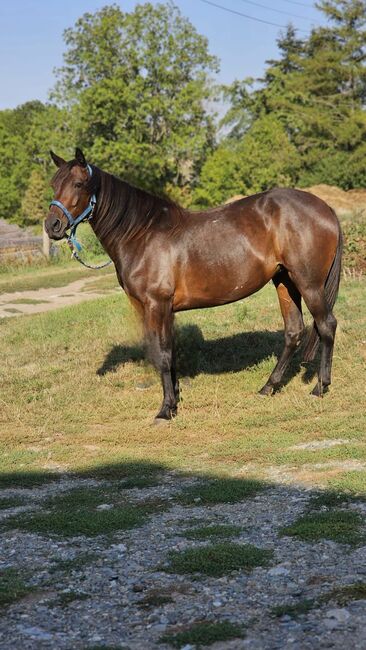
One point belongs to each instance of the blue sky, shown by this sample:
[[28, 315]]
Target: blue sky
[[31, 43]]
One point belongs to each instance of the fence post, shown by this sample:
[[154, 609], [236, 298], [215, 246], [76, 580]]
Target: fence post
[[46, 244]]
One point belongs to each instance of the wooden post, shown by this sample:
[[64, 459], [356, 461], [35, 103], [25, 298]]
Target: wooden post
[[46, 244]]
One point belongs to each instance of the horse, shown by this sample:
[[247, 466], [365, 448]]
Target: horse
[[169, 259]]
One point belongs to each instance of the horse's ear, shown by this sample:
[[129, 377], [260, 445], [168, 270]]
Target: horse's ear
[[57, 159], [79, 157]]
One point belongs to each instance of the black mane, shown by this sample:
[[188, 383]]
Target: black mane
[[128, 212]]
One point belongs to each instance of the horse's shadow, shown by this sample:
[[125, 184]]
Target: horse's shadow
[[195, 355]]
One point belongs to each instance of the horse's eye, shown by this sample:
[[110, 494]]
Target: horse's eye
[[77, 184]]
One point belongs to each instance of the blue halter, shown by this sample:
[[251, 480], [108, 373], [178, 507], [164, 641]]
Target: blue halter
[[87, 214]]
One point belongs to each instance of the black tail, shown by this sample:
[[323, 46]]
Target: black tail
[[331, 292]]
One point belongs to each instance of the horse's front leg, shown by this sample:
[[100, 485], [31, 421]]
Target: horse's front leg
[[158, 325]]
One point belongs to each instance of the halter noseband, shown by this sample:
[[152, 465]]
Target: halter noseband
[[87, 214]]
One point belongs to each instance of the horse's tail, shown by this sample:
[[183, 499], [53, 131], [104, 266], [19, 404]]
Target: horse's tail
[[331, 292]]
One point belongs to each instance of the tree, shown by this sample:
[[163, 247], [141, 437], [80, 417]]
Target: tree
[[35, 200], [138, 86], [26, 135], [316, 92], [263, 159]]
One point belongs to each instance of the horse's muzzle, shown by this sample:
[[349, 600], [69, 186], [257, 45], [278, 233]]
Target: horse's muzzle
[[55, 227]]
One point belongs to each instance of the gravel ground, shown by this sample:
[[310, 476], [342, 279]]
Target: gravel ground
[[113, 597]]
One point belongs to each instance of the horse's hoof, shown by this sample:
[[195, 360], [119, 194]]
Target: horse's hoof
[[265, 391], [319, 391], [159, 421]]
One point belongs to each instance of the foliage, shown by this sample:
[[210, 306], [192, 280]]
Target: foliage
[[26, 135], [304, 122], [203, 634], [138, 84]]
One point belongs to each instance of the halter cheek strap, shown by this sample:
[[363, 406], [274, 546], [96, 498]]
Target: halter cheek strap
[[86, 214]]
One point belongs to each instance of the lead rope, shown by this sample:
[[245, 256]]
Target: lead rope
[[75, 248]]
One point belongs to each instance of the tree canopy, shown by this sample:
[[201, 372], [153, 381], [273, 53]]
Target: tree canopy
[[136, 92]]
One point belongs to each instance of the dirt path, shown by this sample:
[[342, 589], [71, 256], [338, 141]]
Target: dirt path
[[36, 301]]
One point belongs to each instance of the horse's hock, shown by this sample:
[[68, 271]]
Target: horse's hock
[[17, 244]]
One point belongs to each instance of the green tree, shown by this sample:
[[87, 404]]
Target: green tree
[[138, 85], [26, 135], [263, 159], [35, 200], [316, 91]]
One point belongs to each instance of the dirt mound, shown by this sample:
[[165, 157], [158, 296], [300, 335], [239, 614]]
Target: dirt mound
[[339, 200]]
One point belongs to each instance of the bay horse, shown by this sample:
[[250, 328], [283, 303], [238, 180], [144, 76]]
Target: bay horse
[[169, 259]]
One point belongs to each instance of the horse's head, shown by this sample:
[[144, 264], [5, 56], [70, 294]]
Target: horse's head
[[73, 199]]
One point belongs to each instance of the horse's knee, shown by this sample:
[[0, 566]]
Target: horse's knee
[[293, 337]]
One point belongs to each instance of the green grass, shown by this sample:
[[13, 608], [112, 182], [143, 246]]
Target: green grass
[[338, 525], [220, 491], [67, 597], [155, 598], [90, 355], [12, 587], [33, 278], [204, 634], [76, 513], [342, 596], [212, 532], [294, 610], [28, 301], [217, 559], [75, 564], [11, 502], [329, 499]]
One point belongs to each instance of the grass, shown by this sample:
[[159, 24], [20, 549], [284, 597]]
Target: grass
[[12, 587], [90, 355], [329, 499], [75, 564], [76, 513], [212, 532], [342, 596], [220, 491], [41, 277], [11, 502], [294, 610], [28, 301], [67, 597], [204, 633], [217, 559], [338, 525]]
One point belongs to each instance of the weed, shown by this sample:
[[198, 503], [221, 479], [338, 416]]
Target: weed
[[67, 597], [302, 607], [11, 502], [229, 490], [337, 525], [329, 499], [217, 559], [212, 532], [340, 595], [12, 587], [76, 513], [74, 564], [204, 634]]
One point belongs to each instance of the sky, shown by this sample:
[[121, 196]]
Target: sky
[[31, 37]]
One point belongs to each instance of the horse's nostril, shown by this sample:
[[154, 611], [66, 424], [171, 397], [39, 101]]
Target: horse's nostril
[[56, 225]]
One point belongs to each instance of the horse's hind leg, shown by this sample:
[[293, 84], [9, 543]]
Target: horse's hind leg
[[326, 325], [290, 304]]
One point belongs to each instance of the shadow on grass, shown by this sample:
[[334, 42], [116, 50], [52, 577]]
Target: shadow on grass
[[195, 355], [93, 509]]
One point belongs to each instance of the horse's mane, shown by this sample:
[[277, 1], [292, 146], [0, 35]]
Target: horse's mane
[[128, 212]]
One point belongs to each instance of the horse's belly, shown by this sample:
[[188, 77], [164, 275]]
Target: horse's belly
[[208, 291]]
